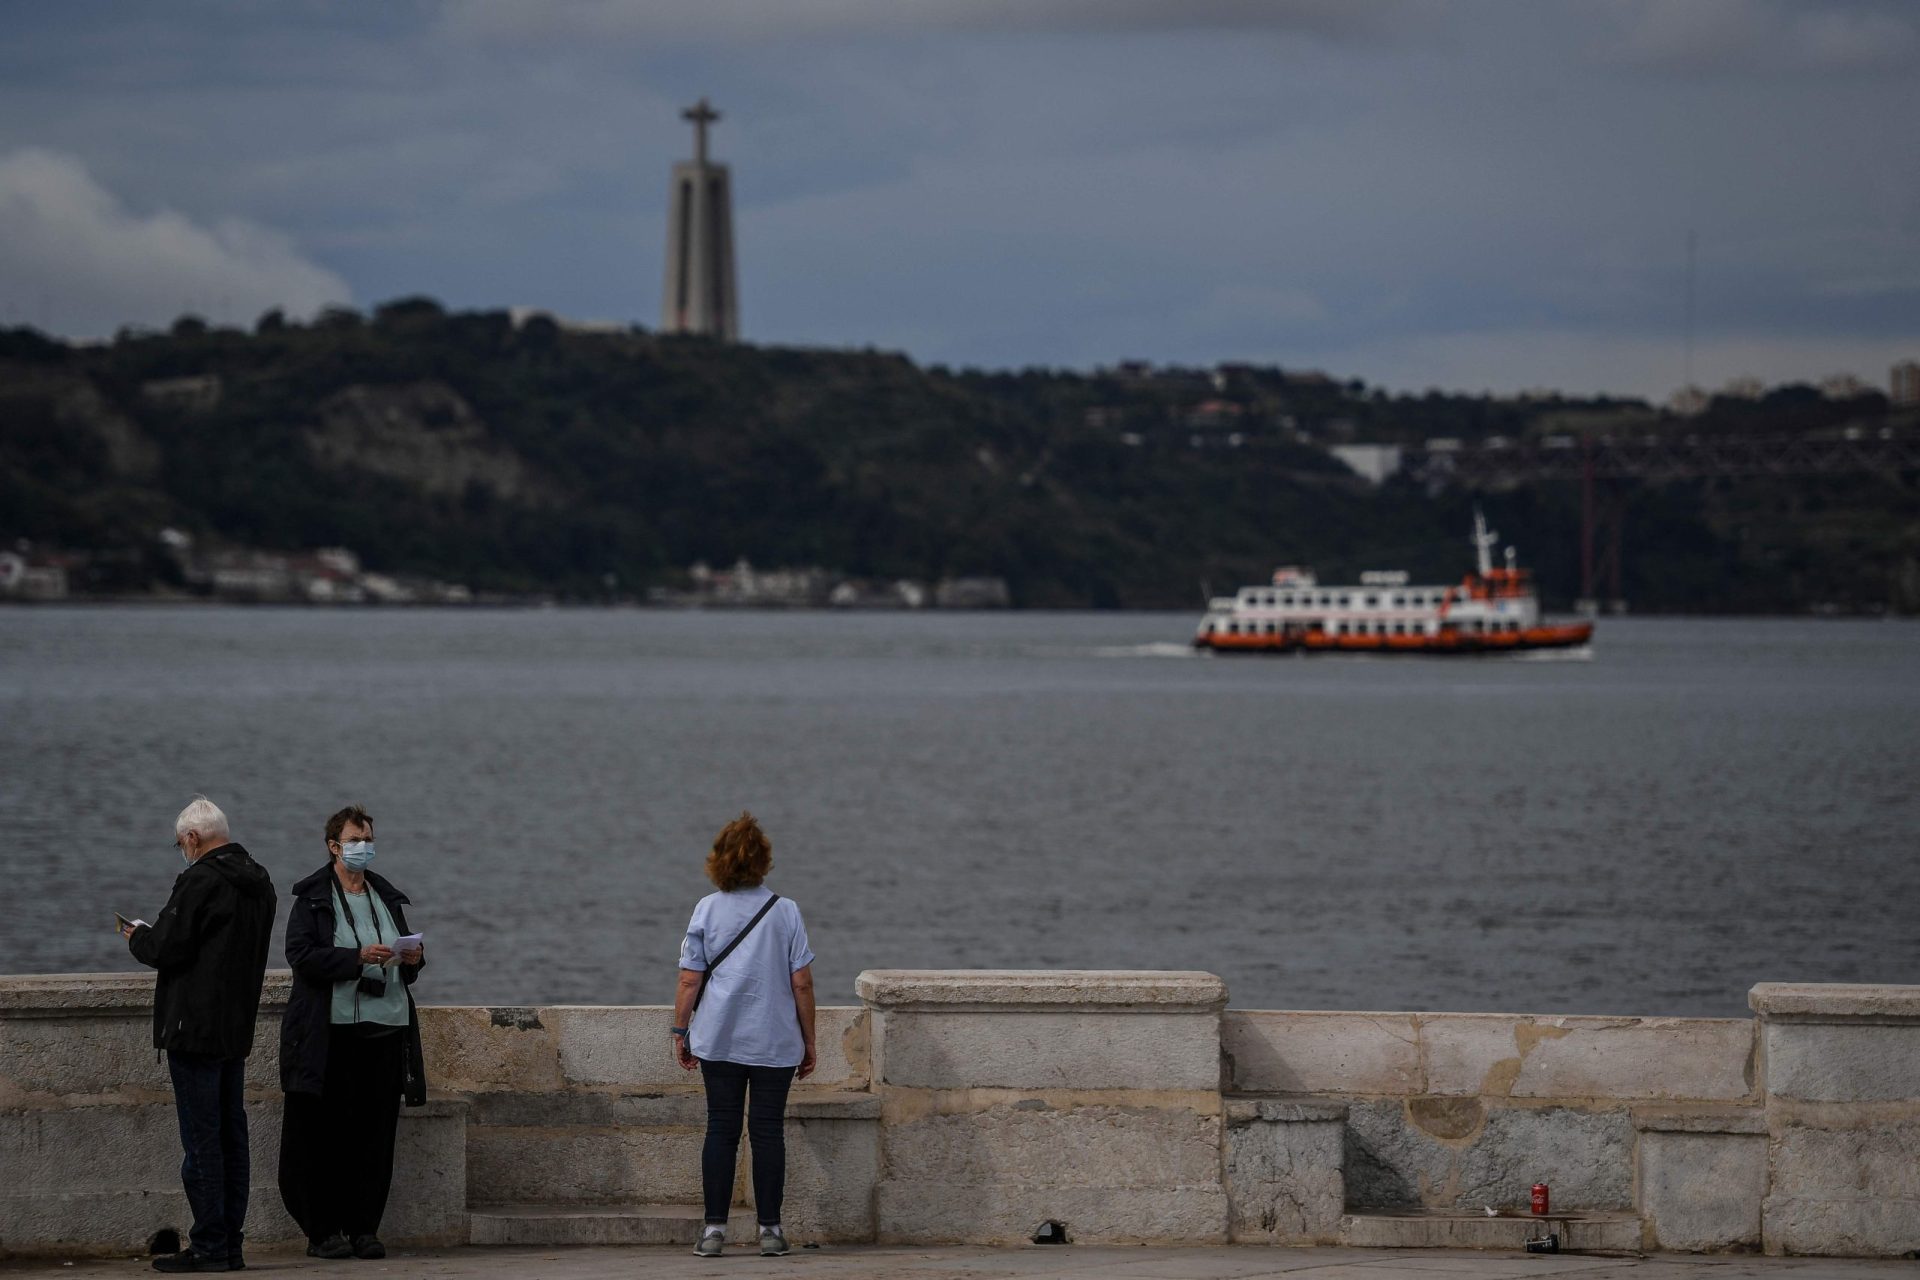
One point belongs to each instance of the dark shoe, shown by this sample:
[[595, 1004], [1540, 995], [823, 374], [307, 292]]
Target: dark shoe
[[368, 1247], [235, 1262], [188, 1260], [334, 1246]]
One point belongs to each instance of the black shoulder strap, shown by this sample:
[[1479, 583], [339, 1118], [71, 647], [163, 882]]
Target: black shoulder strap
[[727, 950]]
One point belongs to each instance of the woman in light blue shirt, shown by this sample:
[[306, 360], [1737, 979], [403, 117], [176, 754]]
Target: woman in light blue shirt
[[746, 966]]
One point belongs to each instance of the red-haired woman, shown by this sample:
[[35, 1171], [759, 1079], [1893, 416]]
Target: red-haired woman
[[746, 965]]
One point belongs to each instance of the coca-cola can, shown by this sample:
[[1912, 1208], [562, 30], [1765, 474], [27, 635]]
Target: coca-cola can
[[1540, 1200]]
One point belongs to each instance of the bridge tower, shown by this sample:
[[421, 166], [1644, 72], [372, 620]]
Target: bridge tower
[[700, 295]]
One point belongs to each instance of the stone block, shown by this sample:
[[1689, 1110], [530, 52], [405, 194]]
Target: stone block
[[1494, 1055], [1841, 1062], [833, 1164], [1835, 1001], [658, 1224], [481, 1049], [1579, 1233], [1858, 1227], [1463, 1152], [840, 1033], [1309, 1052], [617, 1045], [1701, 1192], [1015, 1049], [1283, 1175], [60, 1150], [511, 1165], [1031, 1143], [63, 1190], [1058, 989], [1867, 1158], [428, 1205], [918, 1212]]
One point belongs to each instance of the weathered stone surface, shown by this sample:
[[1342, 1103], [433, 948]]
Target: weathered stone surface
[[1047, 1050], [105, 1178], [600, 1225], [61, 1151], [1832, 1062], [54, 994], [1283, 1179], [832, 1166], [1683, 1118], [1088, 1146], [481, 1049], [1338, 1053], [972, 1213], [1701, 1192], [1462, 1153], [1587, 1057], [1782, 1001], [1857, 1228], [619, 1045], [1866, 1160], [510, 1165], [1284, 1110], [1070, 989], [1601, 1232], [429, 1201], [1490, 1055]]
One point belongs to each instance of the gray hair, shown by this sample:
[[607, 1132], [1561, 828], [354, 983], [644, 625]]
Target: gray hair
[[202, 817]]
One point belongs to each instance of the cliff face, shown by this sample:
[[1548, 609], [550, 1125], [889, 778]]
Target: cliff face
[[529, 458], [421, 434]]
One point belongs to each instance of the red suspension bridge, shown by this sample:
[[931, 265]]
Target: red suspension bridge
[[1608, 466]]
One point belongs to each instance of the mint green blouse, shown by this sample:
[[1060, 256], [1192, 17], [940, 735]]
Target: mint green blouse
[[350, 1004]]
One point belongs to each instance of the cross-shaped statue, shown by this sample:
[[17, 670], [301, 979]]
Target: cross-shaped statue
[[702, 115]]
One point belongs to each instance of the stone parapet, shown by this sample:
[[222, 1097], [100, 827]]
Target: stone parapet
[[1038, 990], [1851, 1002], [973, 1106], [1490, 1055], [1010, 1098], [1843, 1117]]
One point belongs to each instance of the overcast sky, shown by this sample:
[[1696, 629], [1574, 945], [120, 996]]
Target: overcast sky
[[1470, 195]]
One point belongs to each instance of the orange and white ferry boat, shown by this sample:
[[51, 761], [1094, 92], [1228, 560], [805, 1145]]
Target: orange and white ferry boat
[[1489, 611]]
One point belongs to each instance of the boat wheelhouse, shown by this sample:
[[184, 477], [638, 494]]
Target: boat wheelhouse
[[1493, 610]]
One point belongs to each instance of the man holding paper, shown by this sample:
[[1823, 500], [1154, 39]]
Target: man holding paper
[[210, 945], [349, 1044]]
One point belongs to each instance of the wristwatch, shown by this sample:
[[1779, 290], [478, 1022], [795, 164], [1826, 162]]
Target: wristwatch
[[678, 1031]]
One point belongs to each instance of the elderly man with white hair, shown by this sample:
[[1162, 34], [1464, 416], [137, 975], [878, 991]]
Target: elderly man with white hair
[[210, 945]]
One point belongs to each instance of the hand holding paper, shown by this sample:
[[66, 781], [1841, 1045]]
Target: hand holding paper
[[408, 948]]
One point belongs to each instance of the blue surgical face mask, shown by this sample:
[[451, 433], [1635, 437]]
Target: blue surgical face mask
[[357, 854]]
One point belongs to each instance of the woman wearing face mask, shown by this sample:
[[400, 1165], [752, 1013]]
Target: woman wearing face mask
[[349, 1044]]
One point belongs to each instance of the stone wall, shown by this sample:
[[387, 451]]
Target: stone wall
[[1468, 1111], [973, 1106], [90, 1151]]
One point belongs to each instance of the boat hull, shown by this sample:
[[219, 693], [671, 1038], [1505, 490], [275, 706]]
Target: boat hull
[[1564, 635]]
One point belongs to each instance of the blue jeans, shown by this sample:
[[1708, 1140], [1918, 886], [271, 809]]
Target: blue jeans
[[209, 1094], [726, 1103]]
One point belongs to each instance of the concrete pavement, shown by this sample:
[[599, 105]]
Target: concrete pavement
[[1066, 1262]]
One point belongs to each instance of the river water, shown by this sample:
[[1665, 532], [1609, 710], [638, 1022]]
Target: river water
[[1702, 806]]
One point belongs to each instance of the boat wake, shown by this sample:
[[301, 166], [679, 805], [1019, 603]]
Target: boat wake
[[1578, 653], [1161, 649]]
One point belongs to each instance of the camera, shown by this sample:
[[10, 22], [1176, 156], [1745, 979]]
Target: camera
[[374, 987]]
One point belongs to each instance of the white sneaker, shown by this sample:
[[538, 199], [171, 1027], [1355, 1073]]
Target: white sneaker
[[711, 1243]]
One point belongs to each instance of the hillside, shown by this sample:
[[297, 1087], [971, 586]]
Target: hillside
[[532, 459]]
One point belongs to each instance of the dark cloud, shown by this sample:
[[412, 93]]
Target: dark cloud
[[1492, 195]]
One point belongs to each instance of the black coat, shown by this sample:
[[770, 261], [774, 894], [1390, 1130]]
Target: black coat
[[210, 945], [317, 964]]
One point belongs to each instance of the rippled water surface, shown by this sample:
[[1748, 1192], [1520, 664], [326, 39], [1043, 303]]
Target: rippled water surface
[[1704, 805]]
